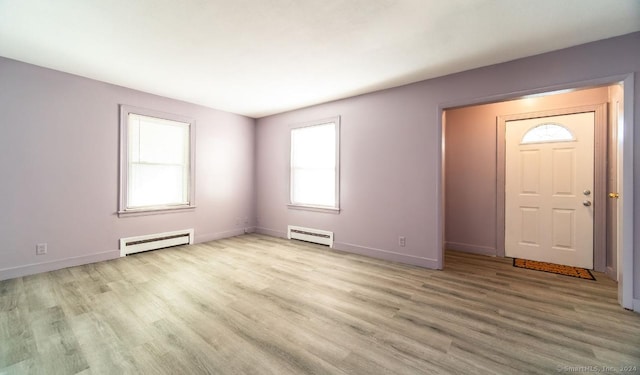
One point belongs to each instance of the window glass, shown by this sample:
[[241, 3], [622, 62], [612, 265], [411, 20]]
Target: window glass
[[547, 133], [314, 165], [157, 171]]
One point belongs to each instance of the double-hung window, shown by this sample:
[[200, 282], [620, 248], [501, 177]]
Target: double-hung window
[[157, 157], [315, 160]]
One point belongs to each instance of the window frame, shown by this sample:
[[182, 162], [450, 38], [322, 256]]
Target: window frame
[[123, 210], [310, 207]]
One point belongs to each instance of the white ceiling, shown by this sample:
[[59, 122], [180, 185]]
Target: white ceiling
[[260, 57]]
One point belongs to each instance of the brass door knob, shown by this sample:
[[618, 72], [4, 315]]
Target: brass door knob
[[614, 195]]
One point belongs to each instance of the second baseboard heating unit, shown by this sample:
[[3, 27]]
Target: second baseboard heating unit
[[155, 241], [318, 236]]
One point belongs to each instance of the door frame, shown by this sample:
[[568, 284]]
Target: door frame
[[625, 179], [599, 176]]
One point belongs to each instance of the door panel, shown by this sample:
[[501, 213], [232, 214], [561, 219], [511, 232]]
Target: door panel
[[563, 167], [530, 234], [564, 229], [530, 166], [547, 182]]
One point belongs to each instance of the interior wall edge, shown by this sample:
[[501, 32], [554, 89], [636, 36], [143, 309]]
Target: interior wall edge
[[588, 84]]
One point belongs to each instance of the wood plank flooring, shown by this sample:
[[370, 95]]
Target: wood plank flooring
[[255, 304]]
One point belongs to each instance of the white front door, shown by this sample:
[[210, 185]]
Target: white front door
[[549, 189]]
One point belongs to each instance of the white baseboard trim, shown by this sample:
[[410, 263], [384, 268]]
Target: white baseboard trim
[[386, 255], [271, 232], [636, 305], [469, 248], [34, 268], [219, 235], [611, 273], [367, 251]]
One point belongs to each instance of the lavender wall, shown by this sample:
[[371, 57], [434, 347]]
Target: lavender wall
[[386, 172], [470, 165], [59, 168], [391, 150]]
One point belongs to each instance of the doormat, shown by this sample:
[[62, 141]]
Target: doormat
[[559, 269]]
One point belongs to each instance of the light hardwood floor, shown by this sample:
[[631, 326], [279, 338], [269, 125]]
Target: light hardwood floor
[[261, 305]]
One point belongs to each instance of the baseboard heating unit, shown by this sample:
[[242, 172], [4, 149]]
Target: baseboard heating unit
[[318, 236], [155, 241]]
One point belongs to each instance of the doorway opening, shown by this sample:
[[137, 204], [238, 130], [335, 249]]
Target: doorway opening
[[473, 204]]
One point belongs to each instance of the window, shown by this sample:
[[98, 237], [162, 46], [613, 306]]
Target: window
[[157, 157], [314, 174], [547, 133]]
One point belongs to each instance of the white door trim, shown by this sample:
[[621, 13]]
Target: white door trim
[[625, 185]]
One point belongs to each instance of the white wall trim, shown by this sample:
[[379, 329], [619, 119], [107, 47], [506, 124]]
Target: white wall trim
[[219, 235], [470, 248], [367, 251], [386, 255], [626, 282], [271, 232], [34, 268]]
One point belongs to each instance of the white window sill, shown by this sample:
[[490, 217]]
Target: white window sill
[[154, 211], [331, 210]]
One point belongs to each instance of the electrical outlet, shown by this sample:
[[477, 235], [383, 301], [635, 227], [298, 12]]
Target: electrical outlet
[[41, 249], [402, 241]]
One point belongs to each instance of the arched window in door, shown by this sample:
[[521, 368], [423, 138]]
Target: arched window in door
[[548, 132]]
